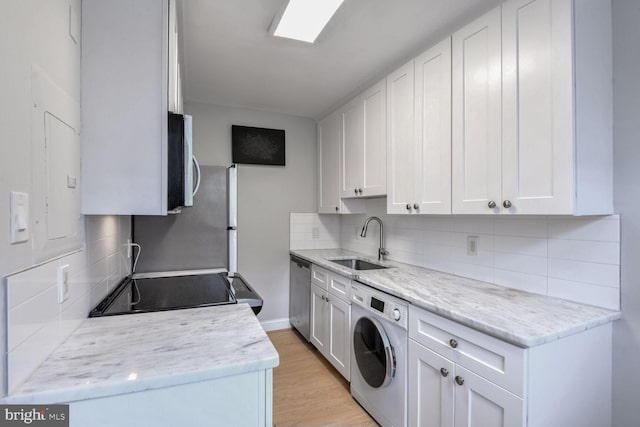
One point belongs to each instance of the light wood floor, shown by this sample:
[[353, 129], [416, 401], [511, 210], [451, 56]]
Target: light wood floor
[[307, 391]]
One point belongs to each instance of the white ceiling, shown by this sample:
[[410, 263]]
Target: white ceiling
[[230, 59]]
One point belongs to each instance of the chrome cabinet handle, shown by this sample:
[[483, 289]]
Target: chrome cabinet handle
[[416, 206], [322, 296], [355, 190], [453, 343], [444, 372], [491, 204], [327, 299], [337, 209], [459, 380], [360, 190], [506, 204], [408, 207]]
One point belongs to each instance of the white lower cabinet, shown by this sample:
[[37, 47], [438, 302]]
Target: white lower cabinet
[[459, 377], [330, 318]]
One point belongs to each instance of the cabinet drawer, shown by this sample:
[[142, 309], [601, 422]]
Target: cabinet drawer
[[340, 287], [320, 277], [491, 358]]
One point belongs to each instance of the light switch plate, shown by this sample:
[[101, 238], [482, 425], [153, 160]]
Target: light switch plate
[[63, 283], [315, 232], [19, 211]]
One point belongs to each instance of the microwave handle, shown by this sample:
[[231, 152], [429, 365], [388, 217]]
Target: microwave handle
[[197, 166]]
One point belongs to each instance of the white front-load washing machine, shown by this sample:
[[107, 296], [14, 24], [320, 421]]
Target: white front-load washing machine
[[379, 354]]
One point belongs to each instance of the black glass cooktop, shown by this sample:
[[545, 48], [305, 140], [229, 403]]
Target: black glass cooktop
[[166, 293]]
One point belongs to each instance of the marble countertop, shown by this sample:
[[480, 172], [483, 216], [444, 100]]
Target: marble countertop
[[518, 317], [113, 355]]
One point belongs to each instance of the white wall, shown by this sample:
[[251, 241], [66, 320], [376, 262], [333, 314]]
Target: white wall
[[626, 135], [565, 257], [36, 32], [266, 194], [314, 231]]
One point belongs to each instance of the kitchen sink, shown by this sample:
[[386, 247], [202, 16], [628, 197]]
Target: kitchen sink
[[358, 264]]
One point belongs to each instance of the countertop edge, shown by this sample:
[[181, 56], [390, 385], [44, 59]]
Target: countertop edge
[[108, 389], [494, 331]]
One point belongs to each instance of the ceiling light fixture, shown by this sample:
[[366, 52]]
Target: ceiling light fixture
[[304, 19]]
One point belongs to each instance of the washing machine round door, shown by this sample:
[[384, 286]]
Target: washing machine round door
[[373, 352]]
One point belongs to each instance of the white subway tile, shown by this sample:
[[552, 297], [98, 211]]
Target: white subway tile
[[521, 263], [523, 227], [582, 250], [525, 282], [98, 292], [437, 257], [521, 245], [585, 293], [435, 237], [484, 258], [32, 315], [22, 286], [437, 223], [587, 272], [26, 358], [486, 242], [603, 229], [474, 224], [476, 272]]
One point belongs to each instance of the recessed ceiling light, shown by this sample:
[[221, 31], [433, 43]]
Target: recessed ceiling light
[[304, 19]]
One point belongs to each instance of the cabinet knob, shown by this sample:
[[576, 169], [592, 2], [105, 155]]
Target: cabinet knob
[[491, 204], [416, 206], [444, 372], [408, 207], [506, 204], [360, 190], [355, 190], [453, 343], [337, 209], [322, 296], [459, 380], [327, 298]]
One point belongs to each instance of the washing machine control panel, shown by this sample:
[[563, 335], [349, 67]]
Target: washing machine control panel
[[389, 307]]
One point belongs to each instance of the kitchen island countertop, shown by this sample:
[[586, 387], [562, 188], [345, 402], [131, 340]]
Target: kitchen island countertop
[[114, 355], [521, 318]]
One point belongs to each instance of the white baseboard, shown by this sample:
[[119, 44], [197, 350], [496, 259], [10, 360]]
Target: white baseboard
[[275, 324]]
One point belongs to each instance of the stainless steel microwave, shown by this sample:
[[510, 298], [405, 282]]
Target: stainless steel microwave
[[183, 170]]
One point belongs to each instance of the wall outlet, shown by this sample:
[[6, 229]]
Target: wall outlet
[[63, 283], [315, 232], [472, 245]]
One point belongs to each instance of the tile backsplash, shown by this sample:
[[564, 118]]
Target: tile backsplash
[[36, 323], [574, 258], [314, 231]]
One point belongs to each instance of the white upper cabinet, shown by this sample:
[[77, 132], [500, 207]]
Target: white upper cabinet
[[433, 129], [556, 143], [127, 91], [328, 171], [329, 200], [476, 110], [400, 141], [363, 144], [419, 134], [532, 110]]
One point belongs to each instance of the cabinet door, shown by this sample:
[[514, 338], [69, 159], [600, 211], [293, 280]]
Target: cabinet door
[[317, 317], [433, 129], [338, 342], [476, 115], [537, 144], [328, 161], [400, 140], [351, 148], [480, 403], [430, 388], [374, 181]]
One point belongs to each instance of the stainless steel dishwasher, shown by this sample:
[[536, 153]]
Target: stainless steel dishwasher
[[299, 294]]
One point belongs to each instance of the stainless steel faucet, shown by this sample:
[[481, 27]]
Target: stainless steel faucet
[[382, 252]]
